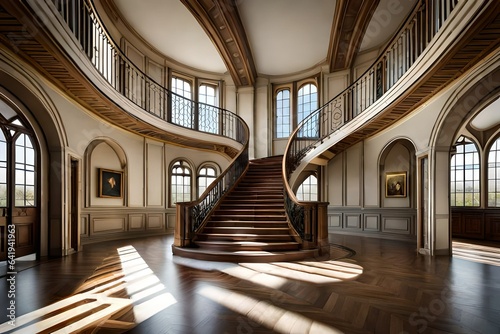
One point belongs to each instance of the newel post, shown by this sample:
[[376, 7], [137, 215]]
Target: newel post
[[182, 226], [322, 228]]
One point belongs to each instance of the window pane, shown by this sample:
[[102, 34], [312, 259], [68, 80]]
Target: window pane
[[283, 124], [182, 106], [208, 113], [206, 176], [307, 97], [465, 174], [494, 174], [180, 182], [308, 190]]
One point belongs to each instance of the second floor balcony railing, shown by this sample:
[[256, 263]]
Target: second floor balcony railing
[[130, 81], [400, 54]]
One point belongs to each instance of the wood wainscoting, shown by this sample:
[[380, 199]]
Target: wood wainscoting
[[472, 223]]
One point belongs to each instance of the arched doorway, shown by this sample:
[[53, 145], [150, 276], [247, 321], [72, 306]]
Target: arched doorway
[[467, 100], [19, 191]]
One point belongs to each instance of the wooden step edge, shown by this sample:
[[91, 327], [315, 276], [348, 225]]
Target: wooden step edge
[[244, 256]]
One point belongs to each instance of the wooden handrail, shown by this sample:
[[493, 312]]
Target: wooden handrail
[[192, 216]]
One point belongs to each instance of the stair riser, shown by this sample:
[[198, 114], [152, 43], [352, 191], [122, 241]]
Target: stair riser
[[248, 224], [246, 218], [262, 238], [251, 213], [240, 248], [245, 230]]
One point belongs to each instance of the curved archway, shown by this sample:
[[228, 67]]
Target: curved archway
[[467, 100], [49, 136]]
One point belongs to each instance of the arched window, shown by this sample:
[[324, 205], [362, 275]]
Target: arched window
[[306, 104], [180, 182], [182, 107], [206, 175], [25, 172], [18, 182], [308, 190], [494, 174], [208, 115], [307, 101], [283, 119], [292, 106], [464, 174]]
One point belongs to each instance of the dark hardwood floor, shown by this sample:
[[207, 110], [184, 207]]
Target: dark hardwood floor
[[384, 287]]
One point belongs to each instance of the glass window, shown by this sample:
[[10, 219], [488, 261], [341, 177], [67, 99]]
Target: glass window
[[464, 174], [307, 101], [306, 104], [308, 190], [208, 114], [206, 176], [291, 107], [283, 124], [182, 107], [494, 174], [24, 172], [180, 182]]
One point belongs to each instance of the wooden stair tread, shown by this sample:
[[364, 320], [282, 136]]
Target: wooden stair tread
[[252, 217]]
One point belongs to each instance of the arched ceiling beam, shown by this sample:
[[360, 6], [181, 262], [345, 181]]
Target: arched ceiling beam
[[349, 25], [221, 21]]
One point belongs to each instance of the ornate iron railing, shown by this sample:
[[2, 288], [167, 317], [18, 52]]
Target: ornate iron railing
[[401, 53], [191, 216], [126, 78], [130, 81]]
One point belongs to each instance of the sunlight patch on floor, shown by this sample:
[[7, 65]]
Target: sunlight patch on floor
[[320, 272], [122, 284], [476, 253], [266, 314]]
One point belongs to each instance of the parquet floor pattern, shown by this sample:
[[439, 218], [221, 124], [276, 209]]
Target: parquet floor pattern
[[384, 287]]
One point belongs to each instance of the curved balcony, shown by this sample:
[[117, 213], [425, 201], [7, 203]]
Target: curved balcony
[[89, 65], [67, 41], [424, 56]]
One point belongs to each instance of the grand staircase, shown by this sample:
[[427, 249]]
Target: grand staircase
[[250, 224]]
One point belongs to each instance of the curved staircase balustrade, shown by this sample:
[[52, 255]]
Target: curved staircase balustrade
[[127, 79], [428, 16], [191, 216], [130, 81]]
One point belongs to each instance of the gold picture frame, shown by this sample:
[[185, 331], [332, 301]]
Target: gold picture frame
[[395, 184], [110, 183]]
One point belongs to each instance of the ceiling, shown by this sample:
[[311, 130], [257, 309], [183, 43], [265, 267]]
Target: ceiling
[[283, 36]]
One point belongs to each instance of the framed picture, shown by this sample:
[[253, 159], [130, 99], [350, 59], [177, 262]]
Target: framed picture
[[110, 183], [395, 184]]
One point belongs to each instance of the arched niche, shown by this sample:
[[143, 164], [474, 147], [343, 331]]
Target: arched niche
[[103, 157], [397, 174]]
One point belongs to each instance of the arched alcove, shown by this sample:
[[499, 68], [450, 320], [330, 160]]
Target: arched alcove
[[468, 100], [397, 174], [105, 158], [41, 116]]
